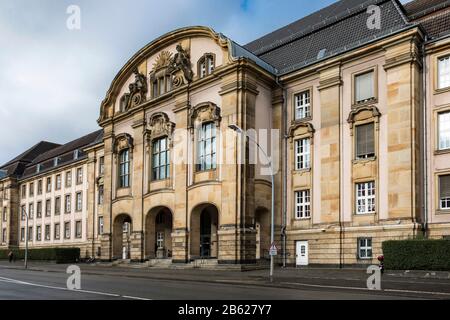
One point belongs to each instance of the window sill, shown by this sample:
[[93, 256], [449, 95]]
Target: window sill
[[302, 120], [443, 211], [441, 151], [364, 160], [441, 90], [369, 102], [302, 171], [365, 214], [303, 219], [365, 259]]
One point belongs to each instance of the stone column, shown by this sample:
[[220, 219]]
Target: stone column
[[106, 238]]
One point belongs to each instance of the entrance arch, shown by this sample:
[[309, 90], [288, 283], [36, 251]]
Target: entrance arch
[[204, 240], [262, 226], [158, 233], [122, 237]]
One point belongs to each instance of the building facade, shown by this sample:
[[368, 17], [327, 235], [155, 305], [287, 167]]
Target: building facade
[[354, 117]]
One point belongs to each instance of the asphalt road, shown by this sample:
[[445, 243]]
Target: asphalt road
[[18, 284]]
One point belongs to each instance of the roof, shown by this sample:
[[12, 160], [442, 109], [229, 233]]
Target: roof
[[433, 15], [333, 30]]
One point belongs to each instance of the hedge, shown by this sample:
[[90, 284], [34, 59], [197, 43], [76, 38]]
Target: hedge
[[60, 255], [417, 255]]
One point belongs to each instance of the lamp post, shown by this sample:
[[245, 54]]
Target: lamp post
[[237, 129], [26, 238]]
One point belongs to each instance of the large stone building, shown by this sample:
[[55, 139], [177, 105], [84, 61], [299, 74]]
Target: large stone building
[[352, 103]]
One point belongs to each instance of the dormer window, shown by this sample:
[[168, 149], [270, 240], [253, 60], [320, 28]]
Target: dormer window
[[206, 65], [38, 168], [76, 154], [55, 162]]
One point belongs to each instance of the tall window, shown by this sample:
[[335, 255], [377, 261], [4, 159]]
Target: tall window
[[39, 187], [57, 206], [68, 203], [365, 248], [38, 233], [22, 234], [444, 192], [302, 105], [58, 182], [101, 166], [39, 209], [31, 189], [31, 210], [67, 230], [444, 130], [161, 159], [207, 147], [364, 87], [79, 175], [365, 197], [302, 204], [4, 235], [49, 184], [79, 201], [78, 228], [47, 232], [24, 191], [48, 208], [444, 72], [302, 154], [68, 178], [206, 65], [22, 213], [30, 234], [124, 169], [365, 141], [101, 191], [101, 224], [57, 231]]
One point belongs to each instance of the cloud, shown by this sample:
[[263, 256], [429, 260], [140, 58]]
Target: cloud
[[53, 79]]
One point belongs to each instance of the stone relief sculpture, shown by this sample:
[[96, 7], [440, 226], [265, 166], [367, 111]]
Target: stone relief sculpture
[[138, 90], [181, 61]]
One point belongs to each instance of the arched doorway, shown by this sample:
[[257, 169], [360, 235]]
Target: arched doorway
[[203, 232], [262, 226], [158, 235], [122, 237]]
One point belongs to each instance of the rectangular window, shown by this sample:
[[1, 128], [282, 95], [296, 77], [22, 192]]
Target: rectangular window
[[365, 141], [22, 234], [47, 232], [100, 225], [444, 72], [79, 175], [160, 159], [31, 211], [364, 87], [5, 214], [101, 166], [101, 191], [48, 208], [444, 130], [207, 147], [67, 230], [365, 248], [444, 192], [302, 154], [38, 233], [39, 209], [78, 229], [68, 204], [57, 231], [57, 206], [30, 234], [39, 187], [22, 213], [302, 105], [124, 169], [49, 184], [365, 197], [31, 189], [302, 204], [24, 191], [79, 201], [58, 182], [4, 235], [68, 179]]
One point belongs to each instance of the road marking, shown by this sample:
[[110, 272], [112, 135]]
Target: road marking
[[365, 289], [8, 280]]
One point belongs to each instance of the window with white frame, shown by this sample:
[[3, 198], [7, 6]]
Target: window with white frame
[[68, 178], [57, 234], [48, 208], [444, 192], [302, 154], [160, 159], [365, 248], [31, 210], [78, 229], [302, 204], [444, 130], [206, 65], [47, 232], [79, 201], [124, 169], [31, 189], [58, 182], [101, 191], [79, 175], [101, 224], [444, 72], [49, 184], [364, 87], [302, 103], [160, 240], [57, 206], [38, 233], [207, 147], [22, 213], [68, 204], [39, 209], [365, 197], [67, 230], [101, 166]]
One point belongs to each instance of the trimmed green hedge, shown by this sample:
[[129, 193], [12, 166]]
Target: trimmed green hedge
[[60, 255], [417, 255]]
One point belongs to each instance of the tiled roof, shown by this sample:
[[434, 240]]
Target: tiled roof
[[332, 30], [418, 8], [433, 15]]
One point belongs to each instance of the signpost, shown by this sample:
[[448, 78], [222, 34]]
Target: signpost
[[273, 250]]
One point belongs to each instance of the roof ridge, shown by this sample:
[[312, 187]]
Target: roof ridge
[[428, 10]]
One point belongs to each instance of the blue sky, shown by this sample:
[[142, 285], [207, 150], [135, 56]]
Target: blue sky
[[53, 79]]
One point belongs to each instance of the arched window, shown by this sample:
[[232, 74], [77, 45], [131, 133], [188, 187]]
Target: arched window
[[160, 159], [206, 65], [124, 169]]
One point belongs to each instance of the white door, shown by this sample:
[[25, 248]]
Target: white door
[[301, 251]]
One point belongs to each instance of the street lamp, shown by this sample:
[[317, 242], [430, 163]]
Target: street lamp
[[237, 129], [26, 237]]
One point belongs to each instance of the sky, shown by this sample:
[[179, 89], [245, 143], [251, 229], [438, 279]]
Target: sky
[[53, 79]]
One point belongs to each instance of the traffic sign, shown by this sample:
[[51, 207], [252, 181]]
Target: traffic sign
[[273, 250]]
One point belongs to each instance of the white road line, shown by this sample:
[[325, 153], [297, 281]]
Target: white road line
[[8, 280], [365, 289]]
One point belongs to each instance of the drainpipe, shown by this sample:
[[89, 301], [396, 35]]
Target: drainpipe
[[284, 170], [425, 139]]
